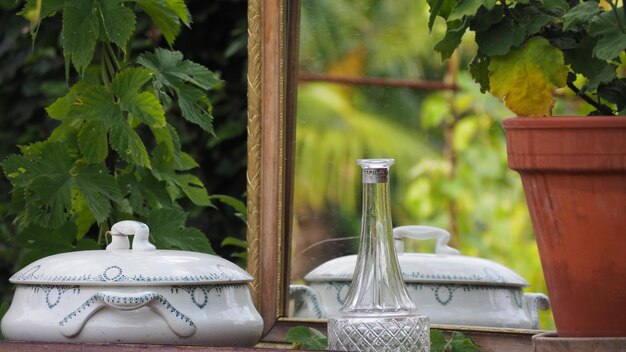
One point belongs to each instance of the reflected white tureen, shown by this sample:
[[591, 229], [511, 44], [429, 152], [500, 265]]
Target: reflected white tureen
[[450, 288], [138, 295]]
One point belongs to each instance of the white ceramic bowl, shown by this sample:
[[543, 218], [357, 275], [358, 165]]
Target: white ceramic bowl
[[141, 295], [450, 288]]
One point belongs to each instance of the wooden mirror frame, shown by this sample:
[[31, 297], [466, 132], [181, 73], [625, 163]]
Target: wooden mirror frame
[[272, 82], [271, 105]]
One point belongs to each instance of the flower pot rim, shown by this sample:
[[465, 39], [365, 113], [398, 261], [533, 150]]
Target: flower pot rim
[[529, 122]]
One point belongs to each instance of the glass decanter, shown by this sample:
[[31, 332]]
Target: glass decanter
[[378, 314]]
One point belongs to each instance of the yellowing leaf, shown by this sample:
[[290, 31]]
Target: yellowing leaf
[[526, 78]]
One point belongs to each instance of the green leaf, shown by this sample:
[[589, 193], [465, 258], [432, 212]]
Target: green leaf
[[47, 241], [98, 188], [130, 81], [193, 188], [457, 343], [43, 171], [234, 241], [534, 18], [479, 69], [611, 37], [81, 214], [452, 38], [60, 109], [441, 8], [144, 192], [525, 79], [118, 22], [168, 231], [164, 16], [500, 38], [188, 80], [581, 14], [80, 32], [197, 75], [582, 61], [195, 107], [96, 103], [306, 338], [557, 7], [92, 140], [437, 341], [180, 9], [469, 8], [614, 92], [238, 205], [460, 343], [129, 146], [127, 85], [36, 10], [146, 107], [486, 18]]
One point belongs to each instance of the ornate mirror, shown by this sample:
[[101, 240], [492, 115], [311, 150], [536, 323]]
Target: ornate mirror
[[274, 256]]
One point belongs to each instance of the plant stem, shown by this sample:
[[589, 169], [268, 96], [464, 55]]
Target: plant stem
[[601, 107], [113, 57], [614, 8]]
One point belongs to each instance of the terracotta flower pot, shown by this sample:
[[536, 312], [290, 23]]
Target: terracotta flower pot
[[573, 170]]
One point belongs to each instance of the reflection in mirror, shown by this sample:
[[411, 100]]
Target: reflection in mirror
[[371, 86]]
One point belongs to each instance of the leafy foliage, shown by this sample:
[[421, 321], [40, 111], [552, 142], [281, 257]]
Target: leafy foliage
[[306, 338], [588, 35], [515, 78], [458, 342], [116, 152]]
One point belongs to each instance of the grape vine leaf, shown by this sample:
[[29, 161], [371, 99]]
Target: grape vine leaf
[[188, 80], [581, 14], [479, 69], [166, 169], [526, 77], [36, 10], [582, 60], [48, 175], [127, 85], [167, 226], [92, 141], [441, 8], [610, 33], [469, 8], [129, 146], [452, 38], [118, 22], [80, 32], [500, 38], [166, 14], [303, 337]]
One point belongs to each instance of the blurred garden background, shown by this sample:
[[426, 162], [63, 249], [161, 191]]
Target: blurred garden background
[[397, 99]]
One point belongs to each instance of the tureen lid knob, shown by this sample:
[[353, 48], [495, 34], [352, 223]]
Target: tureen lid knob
[[120, 231]]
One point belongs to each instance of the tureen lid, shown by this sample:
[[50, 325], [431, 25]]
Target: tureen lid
[[142, 265], [446, 265]]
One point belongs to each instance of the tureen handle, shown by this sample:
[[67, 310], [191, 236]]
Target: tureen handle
[[130, 227], [424, 233], [179, 323]]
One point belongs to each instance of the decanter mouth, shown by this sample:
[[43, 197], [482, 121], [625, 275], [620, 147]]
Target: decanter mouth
[[375, 163]]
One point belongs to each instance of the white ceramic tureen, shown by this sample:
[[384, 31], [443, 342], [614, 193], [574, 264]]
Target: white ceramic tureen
[[450, 288], [138, 295]]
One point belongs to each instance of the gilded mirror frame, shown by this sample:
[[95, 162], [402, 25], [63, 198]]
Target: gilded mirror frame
[[272, 73]]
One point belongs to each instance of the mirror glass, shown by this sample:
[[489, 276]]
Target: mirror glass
[[372, 86]]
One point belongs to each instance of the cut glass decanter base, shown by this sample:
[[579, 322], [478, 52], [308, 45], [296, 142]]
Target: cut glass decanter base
[[376, 334]]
